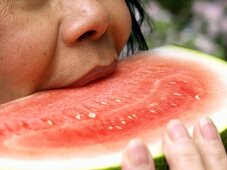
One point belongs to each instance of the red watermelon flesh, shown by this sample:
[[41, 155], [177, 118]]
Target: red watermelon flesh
[[137, 100]]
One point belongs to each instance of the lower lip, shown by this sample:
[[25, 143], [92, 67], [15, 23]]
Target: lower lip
[[95, 73]]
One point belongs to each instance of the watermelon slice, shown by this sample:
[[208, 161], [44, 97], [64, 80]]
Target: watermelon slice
[[88, 127]]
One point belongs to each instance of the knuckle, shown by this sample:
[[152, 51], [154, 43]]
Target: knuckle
[[186, 152], [187, 159], [188, 156], [183, 154], [219, 157], [217, 152]]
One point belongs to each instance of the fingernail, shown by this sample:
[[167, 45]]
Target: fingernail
[[176, 130], [137, 153], [208, 129]]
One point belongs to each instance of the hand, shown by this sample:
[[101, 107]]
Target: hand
[[203, 151]]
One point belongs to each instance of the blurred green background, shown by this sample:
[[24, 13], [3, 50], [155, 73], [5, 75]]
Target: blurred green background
[[196, 24]]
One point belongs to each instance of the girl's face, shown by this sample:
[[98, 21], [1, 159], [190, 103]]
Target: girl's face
[[47, 44]]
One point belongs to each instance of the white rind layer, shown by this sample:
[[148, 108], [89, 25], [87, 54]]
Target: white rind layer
[[219, 67]]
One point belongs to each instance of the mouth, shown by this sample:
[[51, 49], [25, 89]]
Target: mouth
[[94, 74], [80, 66]]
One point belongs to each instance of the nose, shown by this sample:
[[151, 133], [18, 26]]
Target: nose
[[90, 21]]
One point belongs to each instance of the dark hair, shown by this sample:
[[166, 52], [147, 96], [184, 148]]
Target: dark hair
[[139, 16]]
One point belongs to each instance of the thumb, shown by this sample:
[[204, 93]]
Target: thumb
[[137, 156]]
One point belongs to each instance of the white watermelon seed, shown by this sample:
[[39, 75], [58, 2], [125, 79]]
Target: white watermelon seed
[[134, 115], [130, 117], [177, 94], [123, 122], [92, 115], [153, 111], [49, 122], [173, 104], [103, 103], [118, 127], [78, 117], [110, 127], [197, 97], [118, 100]]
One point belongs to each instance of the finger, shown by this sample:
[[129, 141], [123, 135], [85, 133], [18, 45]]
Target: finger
[[137, 157], [210, 145], [179, 148]]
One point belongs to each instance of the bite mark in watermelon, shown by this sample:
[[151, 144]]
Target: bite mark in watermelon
[[88, 127]]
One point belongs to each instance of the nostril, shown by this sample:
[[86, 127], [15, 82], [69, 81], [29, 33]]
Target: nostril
[[87, 34]]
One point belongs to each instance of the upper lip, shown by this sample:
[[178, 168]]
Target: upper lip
[[95, 73]]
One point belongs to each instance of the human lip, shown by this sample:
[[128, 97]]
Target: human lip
[[95, 73]]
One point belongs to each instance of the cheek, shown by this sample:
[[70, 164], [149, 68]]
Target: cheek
[[25, 54], [121, 25], [22, 51]]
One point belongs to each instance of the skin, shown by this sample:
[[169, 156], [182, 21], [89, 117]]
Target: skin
[[58, 43], [203, 151], [49, 44]]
